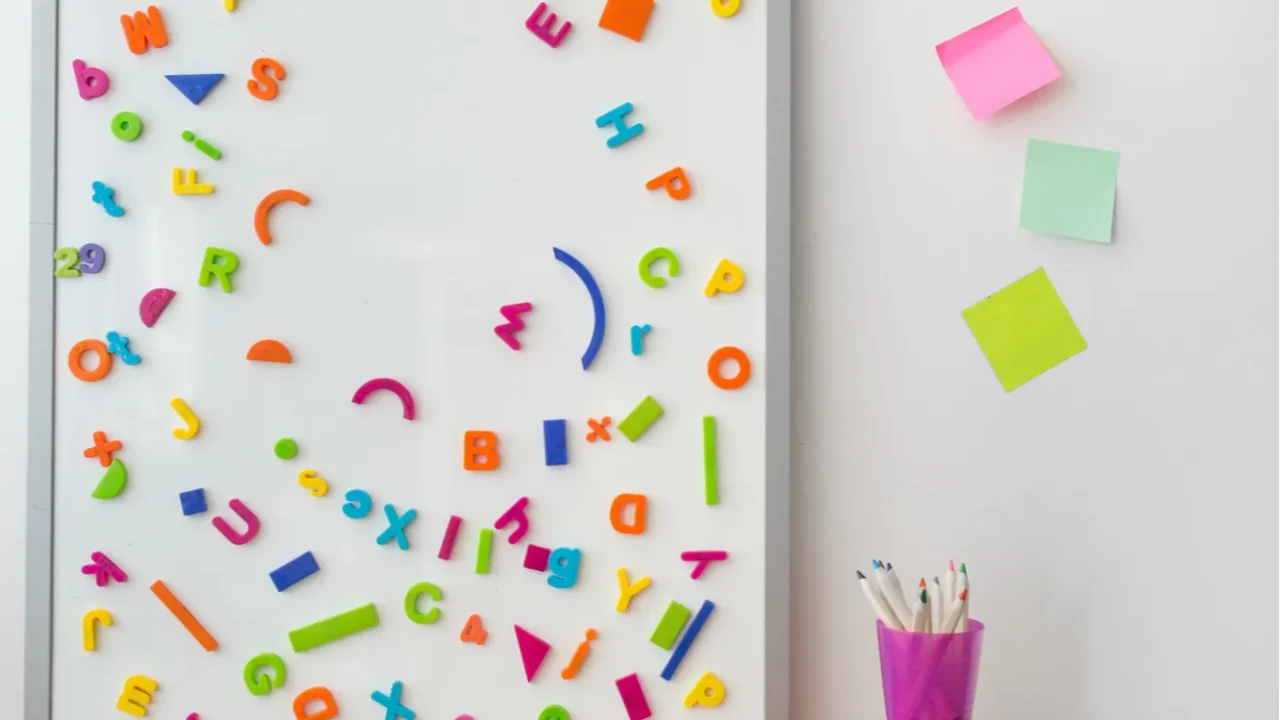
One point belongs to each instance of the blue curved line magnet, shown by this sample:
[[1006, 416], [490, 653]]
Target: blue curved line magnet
[[597, 304]]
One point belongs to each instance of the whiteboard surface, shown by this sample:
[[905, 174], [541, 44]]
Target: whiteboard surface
[[1110, 509], [446, 151]]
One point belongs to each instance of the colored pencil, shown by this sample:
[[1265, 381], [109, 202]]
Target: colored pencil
[[895, 587], [896, 602], [928, 603], [920, 616], [938, 599], [952, 619], [877, 603]]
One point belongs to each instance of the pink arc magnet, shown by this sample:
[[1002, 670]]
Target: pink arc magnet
[[406, 400]]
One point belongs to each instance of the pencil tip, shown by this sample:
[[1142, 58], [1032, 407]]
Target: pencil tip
[[964, 594], [888, 565], [951, 565], [936, 581], [964, 569], [860, 575], [922, 582], [875, 563], [924, 596]]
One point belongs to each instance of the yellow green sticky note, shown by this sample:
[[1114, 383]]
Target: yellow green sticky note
[[1069, 190], [1023, 330]]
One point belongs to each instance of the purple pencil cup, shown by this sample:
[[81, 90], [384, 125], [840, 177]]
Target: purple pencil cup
[[928, 676]]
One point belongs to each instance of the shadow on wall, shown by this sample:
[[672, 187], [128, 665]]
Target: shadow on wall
[[1048, 672]]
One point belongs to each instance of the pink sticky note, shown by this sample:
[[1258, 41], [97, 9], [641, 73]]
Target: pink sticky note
[[996, 63]]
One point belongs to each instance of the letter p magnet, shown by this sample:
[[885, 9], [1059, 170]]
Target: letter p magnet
[[674, 181], [708, 692], [727, 278], [91, 82]]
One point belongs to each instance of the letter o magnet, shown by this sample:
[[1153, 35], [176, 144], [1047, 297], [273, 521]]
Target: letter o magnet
[[77, 353], [729, 353]]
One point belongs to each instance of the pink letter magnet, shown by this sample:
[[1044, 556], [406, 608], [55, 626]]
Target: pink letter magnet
[[996, 63]]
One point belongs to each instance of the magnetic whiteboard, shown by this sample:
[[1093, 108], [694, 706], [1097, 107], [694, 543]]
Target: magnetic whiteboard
[[444, 151]]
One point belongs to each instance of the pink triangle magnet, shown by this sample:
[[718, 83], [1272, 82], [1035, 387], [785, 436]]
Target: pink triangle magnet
[[533, 650]]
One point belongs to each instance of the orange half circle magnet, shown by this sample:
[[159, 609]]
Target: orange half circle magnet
[[269, 351]]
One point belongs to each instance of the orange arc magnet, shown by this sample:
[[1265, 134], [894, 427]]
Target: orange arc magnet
[[268, 202]]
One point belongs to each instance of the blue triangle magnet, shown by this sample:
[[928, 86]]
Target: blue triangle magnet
[[195, 87]]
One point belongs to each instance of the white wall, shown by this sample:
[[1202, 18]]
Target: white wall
[[1088, 503], [15, 82]]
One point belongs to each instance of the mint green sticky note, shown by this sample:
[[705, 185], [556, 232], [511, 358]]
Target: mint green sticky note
[[1023, 329], [1069, 190]]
